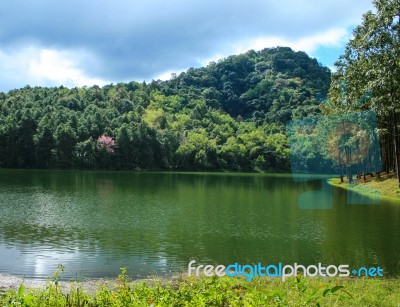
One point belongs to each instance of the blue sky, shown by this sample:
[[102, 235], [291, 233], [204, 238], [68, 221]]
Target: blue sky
[[77, 43]]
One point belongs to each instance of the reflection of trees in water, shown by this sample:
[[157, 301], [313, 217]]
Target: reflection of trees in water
[[214, 218]]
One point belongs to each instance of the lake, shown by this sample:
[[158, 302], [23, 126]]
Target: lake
[[94, 223]]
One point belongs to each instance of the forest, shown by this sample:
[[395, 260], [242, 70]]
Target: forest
[[230, 115]]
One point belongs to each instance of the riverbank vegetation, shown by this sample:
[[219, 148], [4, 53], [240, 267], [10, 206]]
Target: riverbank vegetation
[[384, 187], [215, 291]]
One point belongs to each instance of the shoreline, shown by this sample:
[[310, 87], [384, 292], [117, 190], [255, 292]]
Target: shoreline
[[204, 291], [12, 282], [369, 188], [90, 285]]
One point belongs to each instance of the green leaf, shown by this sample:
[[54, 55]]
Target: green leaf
[[28, 299], [326, 291], [336, 288], [21, 290], [311, 297]]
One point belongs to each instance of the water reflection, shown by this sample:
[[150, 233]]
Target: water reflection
[[96, 222]]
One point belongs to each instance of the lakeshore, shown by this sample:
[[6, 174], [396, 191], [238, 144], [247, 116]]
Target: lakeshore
[[385, 187], [211, 291]]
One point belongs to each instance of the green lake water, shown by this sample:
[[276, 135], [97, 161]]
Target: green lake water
[[94, 223]]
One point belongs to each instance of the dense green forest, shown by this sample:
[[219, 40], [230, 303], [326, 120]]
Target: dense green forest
[[230, 115]]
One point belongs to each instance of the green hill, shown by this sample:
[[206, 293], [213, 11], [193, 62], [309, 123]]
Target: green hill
[[229, 115], [272, 85]]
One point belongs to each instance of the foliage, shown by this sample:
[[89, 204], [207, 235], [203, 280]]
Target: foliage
[[106, 143], [335, 144], [229, 115], [214, 291], [368, 76]]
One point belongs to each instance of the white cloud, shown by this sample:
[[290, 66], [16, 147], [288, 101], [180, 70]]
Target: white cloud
[[51, 67], [147, 39], [164, 76], [214, 58], [43, 67], [59, 67], [330, 38]]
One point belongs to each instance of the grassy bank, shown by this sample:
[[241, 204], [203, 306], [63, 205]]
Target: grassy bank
[[385, 187], [215, 291]]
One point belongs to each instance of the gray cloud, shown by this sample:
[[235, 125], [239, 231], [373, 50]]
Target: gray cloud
[[136, 40]]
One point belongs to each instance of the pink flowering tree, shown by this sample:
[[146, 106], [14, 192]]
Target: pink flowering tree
[[107, 143]]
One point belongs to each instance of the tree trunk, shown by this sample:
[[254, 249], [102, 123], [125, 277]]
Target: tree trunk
[[396, 145]]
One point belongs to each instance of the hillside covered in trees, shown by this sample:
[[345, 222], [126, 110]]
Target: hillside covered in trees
[[230, 115]]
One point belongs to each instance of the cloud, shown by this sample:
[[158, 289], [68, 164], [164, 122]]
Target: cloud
[[44, 67], [332, 37], [58, 67], [308, 44], [92, 41]]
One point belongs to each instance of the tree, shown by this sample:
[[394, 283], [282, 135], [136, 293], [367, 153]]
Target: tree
[[106, 148], [106, 143], [65, 139], [371, 65], [86, 153], [44, 143], [124, 150], [229, 115]]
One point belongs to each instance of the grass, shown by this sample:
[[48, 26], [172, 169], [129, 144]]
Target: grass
[[385, 187], [216, 291]]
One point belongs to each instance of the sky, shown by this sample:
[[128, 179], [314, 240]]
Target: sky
[[85, 43]]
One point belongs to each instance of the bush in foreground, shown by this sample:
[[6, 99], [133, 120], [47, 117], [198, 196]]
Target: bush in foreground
[[215, 291]]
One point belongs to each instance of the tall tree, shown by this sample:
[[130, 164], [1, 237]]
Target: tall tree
[[371, 64], [65, 139]]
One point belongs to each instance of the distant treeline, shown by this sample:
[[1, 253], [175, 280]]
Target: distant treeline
[[230, 115]]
